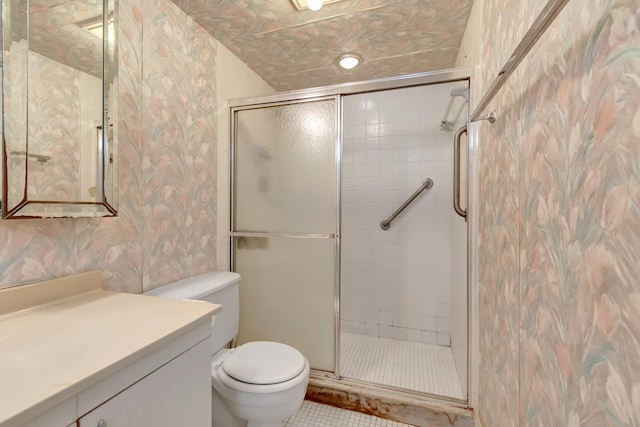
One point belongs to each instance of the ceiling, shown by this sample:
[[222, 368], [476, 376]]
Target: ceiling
[[293, 49]]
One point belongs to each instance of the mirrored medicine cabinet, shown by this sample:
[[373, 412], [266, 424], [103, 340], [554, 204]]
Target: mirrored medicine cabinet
[[59, 109]]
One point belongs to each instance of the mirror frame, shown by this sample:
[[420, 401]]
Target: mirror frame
[[103, 206]]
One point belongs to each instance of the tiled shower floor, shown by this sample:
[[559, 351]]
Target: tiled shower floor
[[412, 366], [316, 415]]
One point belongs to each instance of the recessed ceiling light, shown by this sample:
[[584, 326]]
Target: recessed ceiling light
[[348, 61], [314, 4], [305, 4]]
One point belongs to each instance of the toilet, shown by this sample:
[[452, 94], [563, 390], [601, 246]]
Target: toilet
[[258, 384]]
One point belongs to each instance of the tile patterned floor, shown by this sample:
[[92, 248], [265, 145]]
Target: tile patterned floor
[[413, 366], [317, 415]]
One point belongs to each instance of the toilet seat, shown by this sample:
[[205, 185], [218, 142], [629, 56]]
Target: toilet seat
[[264, 363]]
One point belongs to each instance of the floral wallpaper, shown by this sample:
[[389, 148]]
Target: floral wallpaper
[[293, 49], [54, 129], [14, 110], [179, 162], [133, 248], [41, 249], [498, 288], [560, 220], [56, 30], [64, 109]]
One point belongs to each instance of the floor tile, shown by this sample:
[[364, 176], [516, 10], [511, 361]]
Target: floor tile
[[412, 366], [317, 415]]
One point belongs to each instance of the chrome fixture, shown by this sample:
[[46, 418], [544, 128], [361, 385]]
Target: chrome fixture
[[538, 28], [289, 235], [385, 224], [456, 91], [456, 172], [491, 117]]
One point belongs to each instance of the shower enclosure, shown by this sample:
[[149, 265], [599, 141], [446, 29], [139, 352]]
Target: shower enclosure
[[344, 231]]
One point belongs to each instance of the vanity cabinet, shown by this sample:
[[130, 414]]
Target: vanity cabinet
[[177, 394], [111, 359]]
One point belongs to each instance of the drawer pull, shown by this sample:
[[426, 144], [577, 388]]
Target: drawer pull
[[102, 423]]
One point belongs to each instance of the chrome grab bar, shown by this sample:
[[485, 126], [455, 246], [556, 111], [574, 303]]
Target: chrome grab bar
[[385, 224], [456, 172]]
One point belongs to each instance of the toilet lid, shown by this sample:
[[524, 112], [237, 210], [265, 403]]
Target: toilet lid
[[264, 362]]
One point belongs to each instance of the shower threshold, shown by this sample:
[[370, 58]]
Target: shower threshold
[[403, 406]]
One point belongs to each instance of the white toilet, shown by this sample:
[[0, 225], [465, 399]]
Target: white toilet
[[258, 384]]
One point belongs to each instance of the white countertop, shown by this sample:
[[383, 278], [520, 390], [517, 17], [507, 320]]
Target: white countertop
[[54, 350]]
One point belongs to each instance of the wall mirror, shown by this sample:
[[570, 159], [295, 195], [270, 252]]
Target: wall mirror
[[59, 82]]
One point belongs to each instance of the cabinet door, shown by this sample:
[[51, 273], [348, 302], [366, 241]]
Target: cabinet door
[[177, 394]]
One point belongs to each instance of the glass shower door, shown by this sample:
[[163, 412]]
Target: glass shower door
[[284, 224]]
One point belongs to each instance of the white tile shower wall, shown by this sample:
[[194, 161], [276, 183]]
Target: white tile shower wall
[[397, 283]]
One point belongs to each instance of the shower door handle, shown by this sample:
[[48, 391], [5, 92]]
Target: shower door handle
[[456, 172]]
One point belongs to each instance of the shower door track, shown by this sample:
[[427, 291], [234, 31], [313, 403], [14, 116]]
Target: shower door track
[[395, 392]]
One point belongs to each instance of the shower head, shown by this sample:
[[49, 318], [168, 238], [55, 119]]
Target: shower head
[[462, 91]]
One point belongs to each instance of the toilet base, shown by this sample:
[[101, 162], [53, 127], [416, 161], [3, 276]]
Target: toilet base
[[223, 417]]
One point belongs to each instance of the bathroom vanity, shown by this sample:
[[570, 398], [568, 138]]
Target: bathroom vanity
[[72, 354]]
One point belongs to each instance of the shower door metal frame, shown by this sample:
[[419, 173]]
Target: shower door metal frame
[[398, 82], [335, 236]]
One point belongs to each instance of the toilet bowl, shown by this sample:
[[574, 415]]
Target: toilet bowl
[[258, 384], [262, 383]]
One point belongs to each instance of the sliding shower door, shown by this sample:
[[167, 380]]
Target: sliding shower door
[[284, 224], [404, 251]]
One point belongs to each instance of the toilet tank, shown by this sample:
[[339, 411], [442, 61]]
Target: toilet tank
[[219, 287]]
